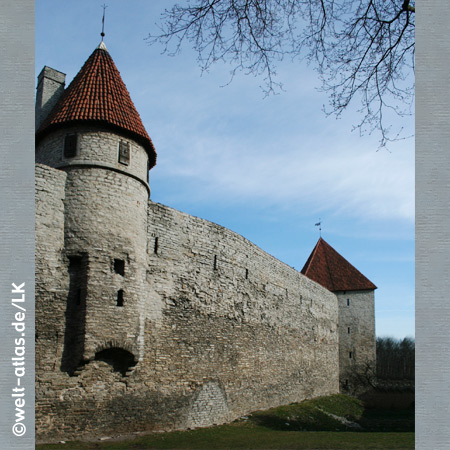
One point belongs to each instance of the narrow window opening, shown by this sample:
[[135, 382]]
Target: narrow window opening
[[75, 323], [348, 330], [76, 279], [350, 355], [78, 296], [215, 262], [246, 274], [348, 302], [124, 152], [70, 146], [119, 266], [120, 297], [155, 249]]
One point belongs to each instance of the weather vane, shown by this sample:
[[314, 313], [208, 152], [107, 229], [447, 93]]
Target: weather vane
[[102, 34], [319, 224]]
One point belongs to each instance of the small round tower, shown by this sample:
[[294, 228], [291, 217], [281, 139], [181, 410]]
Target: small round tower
[[95, 134]]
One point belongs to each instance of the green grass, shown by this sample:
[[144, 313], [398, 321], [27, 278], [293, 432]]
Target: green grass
[[311, 415], [309, 428]]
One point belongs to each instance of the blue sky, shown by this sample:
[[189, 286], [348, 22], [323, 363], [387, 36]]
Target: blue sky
[[265, 167]]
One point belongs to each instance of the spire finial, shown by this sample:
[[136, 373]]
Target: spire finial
[[319, 224], [102, 34]]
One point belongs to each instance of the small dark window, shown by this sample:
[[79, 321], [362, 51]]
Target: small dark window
[[348, 302], [348, 330], [120, 298], [215, 262], [76, 279], [124, 152], [119, 266], [155, 249], [78, 297], [246, 274], [70, 146], [350, 355]]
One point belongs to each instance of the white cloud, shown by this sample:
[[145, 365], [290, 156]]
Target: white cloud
[[230, 144], [298, 171]]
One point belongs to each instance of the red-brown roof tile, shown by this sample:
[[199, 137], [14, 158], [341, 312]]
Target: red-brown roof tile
[[328, 268], [98, 95]]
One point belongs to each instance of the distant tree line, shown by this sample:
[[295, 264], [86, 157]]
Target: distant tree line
[[395, 358]]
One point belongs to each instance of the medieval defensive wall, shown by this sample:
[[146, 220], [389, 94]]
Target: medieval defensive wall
[[148, 318]]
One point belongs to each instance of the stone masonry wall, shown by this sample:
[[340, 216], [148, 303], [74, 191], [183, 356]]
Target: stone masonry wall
[[51, 281], [106, 221], [357, 343], [93, 147], [212, 327], [232, 314]]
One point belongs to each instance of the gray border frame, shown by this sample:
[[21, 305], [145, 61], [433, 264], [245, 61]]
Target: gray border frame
[[16, 214], [432, 218], [432, 226]]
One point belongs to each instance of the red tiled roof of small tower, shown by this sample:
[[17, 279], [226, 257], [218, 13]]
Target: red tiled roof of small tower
[[328, 268], [98, 95]]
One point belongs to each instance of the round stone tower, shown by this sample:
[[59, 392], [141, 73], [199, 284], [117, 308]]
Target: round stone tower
[[94, 134]]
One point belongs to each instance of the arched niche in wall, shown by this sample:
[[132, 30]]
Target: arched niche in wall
[[119, 359]]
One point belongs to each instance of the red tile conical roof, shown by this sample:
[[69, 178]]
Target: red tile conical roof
[[98, 95], [328, 268]]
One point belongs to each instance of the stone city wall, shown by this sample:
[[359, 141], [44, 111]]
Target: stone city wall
[[211, 327], [51, 286]]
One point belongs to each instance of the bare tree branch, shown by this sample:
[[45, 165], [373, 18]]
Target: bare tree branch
[[361, 48]]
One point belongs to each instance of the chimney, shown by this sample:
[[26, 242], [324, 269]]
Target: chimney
[[50, 87]]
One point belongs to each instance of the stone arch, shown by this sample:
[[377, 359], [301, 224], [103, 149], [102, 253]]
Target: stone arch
[[116, 343], [209, 406], [119, 356]]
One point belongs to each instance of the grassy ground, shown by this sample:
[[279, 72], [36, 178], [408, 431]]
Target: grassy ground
[[322, 423]]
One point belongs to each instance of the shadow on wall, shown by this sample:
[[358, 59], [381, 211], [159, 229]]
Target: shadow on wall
[[75, 326]]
